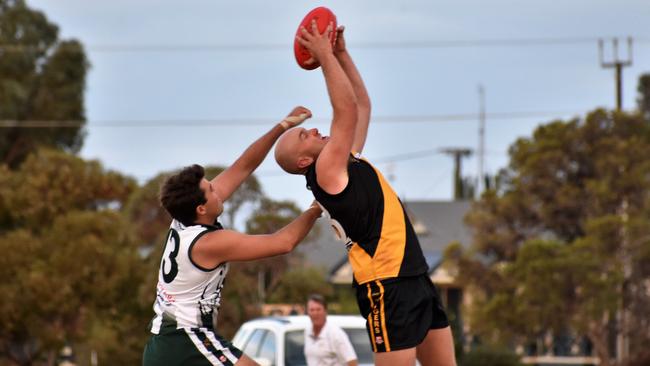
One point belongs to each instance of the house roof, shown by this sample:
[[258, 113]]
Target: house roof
[[322, 249], [436, 223]]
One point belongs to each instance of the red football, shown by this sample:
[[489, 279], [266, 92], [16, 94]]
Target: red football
[[323, 17]]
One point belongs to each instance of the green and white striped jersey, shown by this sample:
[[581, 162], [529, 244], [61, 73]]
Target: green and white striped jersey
[[188, 295]]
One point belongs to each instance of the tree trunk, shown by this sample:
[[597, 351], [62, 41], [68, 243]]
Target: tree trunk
[[51, 358], [598, 336]]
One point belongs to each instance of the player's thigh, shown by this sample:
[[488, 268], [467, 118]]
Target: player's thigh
[[404, 357], [246, 361], [437, 348]]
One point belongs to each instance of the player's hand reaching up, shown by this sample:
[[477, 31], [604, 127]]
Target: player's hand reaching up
[[297, 116], [318, 44], [339, 40]]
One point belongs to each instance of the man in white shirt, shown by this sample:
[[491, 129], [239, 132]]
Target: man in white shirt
[[326, 344]]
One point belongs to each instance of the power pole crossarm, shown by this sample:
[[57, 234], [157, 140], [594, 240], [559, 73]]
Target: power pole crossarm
[[618, 65]]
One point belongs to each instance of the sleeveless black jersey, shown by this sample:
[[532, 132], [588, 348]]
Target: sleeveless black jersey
[[370, 218]]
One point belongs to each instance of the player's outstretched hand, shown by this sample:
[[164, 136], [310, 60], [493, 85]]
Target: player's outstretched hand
[[297, 116], [339, 40]]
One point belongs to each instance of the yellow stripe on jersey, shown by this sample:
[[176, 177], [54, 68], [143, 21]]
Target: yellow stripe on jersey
[[389, 254]]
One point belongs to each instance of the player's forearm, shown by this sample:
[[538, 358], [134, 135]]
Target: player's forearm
[[350, 69], [339, 86], [292, 234], [363, 100]]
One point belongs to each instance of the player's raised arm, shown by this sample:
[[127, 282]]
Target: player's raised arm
[[331, 165], [230, 179], [363, 100]]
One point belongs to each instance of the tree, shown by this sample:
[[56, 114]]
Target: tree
[[484, 356], [552, 244], [643, 100], [70, 255], [270, 217], [295, 285], [250, 192], [41, 79]]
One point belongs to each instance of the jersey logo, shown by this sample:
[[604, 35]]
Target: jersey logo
[[339, 232], [211, 301]]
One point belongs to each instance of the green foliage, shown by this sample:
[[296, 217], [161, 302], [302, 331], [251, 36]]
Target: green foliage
[[69, 254], [295, 285], [148, 217], [41, 79], [551, 243], [51, 183], [271, 216], [643, 101], [345, 298], [488, 356], [250, 192], [268, 218]]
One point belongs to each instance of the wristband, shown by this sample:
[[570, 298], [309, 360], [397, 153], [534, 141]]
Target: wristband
[[293, 121]]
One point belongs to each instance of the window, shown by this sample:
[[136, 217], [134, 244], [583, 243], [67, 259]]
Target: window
[[361, 344], [294, 343], [253, 345], [267, 349], [241, 337]]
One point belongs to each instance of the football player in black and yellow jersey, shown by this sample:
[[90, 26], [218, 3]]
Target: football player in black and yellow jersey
[[405, 318]]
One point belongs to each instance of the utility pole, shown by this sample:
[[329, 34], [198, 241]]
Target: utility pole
[[623, 336], [481, 140], [618, 65], [458, 154]]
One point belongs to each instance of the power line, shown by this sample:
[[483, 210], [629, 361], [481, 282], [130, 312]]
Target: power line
[[220, 47], [213, 122], [388, 159], [406, 156]]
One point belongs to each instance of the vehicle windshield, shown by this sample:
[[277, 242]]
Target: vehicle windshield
[[295, 341]]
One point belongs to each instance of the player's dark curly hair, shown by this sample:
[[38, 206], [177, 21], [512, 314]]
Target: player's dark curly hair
[[180, 194]]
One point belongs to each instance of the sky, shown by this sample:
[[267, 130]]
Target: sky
[[174, 83]]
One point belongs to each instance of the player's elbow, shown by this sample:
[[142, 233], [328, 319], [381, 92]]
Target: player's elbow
[[287, 246], [363, 103], [285, 243]]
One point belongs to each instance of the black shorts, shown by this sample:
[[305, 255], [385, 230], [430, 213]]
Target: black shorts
[[400, 311], [189, 347]]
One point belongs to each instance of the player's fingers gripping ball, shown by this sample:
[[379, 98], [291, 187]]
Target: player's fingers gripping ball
[[323, 17]]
